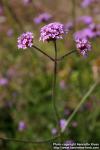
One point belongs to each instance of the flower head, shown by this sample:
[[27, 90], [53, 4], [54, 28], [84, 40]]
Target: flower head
[[52, 31], [25, 40], [44, 17], [83, 45]]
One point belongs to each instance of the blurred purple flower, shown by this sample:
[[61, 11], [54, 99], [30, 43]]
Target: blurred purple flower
[[3, 81], [44, 17], [67, 112], [62, 84], [63, 124], [26, 2], [69, 144], [89, 105], [85, 19], [69, 25], [86, 3], [96, 11], [54, 131], [21, 126], [74, 124], [79, 34], [10, 32], [84, 33], [52, 31], [92, 31], [25, 40], [83, 46]]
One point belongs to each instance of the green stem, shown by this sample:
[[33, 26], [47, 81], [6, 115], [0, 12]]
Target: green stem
[[54, 84], [27, 140], [80, 104], [56, 59], [43, 52], [62, 57], [54, 93]]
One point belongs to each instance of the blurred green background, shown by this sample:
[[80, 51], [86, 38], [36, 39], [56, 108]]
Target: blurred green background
[[26, 78]]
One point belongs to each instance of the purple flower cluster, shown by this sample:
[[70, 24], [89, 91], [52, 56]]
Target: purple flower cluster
[[52, 31], [25, 40], [44, 17], [83, 45]]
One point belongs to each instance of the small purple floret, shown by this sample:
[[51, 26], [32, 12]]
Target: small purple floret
[[25, 40], [52, 31]]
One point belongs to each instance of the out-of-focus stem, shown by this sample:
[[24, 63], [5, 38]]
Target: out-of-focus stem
[[28, 140], [12, 16], [92, 88]]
